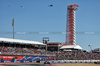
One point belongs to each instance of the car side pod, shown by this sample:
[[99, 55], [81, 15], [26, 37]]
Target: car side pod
[[46, 62], [98, 62], [95, 62]]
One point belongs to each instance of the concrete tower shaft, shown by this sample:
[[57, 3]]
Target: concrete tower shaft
[[70, 31]]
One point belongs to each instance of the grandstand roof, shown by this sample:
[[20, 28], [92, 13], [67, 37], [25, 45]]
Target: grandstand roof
[[71, 46], [20, 41], [54, 43]]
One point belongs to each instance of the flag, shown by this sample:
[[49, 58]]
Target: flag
[[13, 22]]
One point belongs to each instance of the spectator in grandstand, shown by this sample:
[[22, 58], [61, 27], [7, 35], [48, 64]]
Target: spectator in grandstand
[[78, 55]]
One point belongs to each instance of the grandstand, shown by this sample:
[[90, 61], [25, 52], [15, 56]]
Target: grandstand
[[23, 50], [71, 52], [97, 50]]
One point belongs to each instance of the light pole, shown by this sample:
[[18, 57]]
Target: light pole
[[58, 47], [91, 50], [45, 40], [90, 47], [13, 26]]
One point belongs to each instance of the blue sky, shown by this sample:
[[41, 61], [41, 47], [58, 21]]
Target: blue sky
[[37, 16]]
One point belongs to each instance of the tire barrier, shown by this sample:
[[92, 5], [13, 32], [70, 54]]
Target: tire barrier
[[22, 61], [13, 61], [65, 61], [59, 61], [91, 62], [76, 62], [52, 61], [86, 62], [55, 61], [42, 61], [71, 62], [2, 61], [81, 62], [32, 61]]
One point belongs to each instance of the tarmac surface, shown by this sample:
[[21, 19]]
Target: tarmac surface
[[56, 64]]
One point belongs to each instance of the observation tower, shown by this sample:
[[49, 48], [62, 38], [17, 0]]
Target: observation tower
[[70, 28]]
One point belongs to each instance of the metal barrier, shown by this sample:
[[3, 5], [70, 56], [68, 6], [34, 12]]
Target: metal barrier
[[54, 61]]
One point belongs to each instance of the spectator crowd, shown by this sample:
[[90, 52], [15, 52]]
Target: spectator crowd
[[23, 51], [77, 55], [61, 55]]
